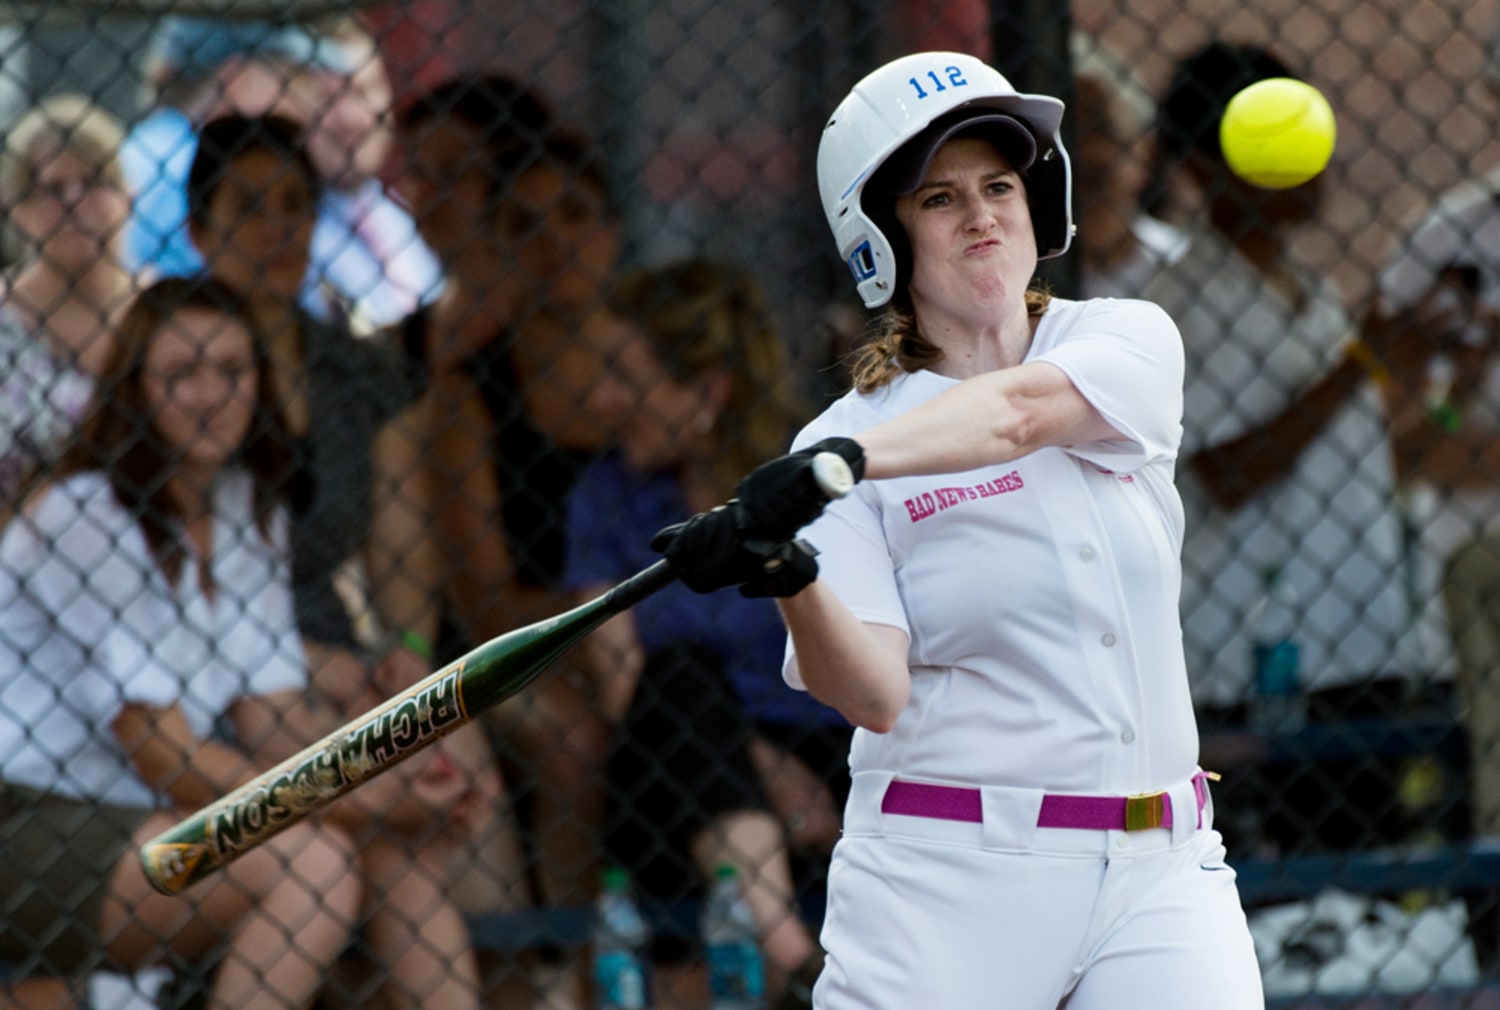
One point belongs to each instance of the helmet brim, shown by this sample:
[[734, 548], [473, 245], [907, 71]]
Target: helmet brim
[[907, 166]]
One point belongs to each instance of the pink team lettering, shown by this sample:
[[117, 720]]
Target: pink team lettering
[[940, 499]]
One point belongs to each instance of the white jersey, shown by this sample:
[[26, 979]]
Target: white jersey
[[1330, 525], [89, 624], [1040, 595]]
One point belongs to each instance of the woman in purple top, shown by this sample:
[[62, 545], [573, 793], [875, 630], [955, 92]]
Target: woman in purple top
[[715, 760]]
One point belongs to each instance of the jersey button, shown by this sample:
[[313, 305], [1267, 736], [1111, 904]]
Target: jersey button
[[1128, 736], [1086, 554], [1108, 640]]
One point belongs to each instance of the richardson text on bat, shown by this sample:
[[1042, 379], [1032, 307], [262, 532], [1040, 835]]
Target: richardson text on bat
[[377, 743]]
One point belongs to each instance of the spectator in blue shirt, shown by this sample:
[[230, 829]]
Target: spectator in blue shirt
[[368, 267]]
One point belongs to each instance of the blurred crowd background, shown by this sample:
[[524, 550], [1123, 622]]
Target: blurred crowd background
[[337, 339]]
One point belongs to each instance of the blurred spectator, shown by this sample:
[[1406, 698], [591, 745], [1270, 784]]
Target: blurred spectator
[[1443, 284], [700, 392], [1122, 246], [1443, 289], [60, 180], [553, 240], [522, 441], [368, 264], [197, 68], [520, 214], [135, 613], [366, 250], [1286, 462], [357, 421], [464, 141], [358, 429], [141, 612], [524, 227]]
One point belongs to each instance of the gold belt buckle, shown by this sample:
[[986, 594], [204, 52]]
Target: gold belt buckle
[[1146, 811]]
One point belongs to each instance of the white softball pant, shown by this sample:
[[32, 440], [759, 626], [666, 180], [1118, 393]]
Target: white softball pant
[[1004, 915]]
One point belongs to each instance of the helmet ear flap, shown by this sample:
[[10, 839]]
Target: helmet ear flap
[[1047, 189], [877, 203], [881, 211]]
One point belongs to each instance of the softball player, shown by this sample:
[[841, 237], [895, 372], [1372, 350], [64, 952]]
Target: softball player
[[996, 608]]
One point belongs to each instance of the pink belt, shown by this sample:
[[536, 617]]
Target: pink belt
[[1088, 813]]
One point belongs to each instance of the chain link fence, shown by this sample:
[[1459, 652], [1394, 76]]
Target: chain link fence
[[501, 288]]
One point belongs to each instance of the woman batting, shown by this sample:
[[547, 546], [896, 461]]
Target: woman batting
[[997, 603]]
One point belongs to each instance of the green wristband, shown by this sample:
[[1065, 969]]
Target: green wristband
[[417, 642], [1446, 416]]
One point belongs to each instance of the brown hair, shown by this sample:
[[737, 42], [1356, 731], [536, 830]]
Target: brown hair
[[119, 435], [898, 346], [701, 316]]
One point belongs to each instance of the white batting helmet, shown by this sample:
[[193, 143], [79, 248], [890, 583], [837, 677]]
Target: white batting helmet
[[889, 127]]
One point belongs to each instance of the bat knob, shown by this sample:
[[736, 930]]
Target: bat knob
[[833, 474]]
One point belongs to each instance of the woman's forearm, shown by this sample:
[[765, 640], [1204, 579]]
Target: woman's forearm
[[992, 418], [857, 668]]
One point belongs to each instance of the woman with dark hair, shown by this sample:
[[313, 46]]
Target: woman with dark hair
[[519, 211], [358, 430], [465, 141], [357, 423], [144, 595], [521, 214]]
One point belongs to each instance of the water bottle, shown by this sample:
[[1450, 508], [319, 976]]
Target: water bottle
[[1278, 703], [731, 942], [620, 938]]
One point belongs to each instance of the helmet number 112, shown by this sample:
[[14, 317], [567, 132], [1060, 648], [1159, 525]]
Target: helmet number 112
[[955, 79]]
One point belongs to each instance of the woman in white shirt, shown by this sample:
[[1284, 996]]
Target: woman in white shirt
[[143, 604], [997, 604]]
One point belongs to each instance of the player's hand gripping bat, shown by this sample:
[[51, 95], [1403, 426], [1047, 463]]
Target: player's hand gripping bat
[[398, 728]]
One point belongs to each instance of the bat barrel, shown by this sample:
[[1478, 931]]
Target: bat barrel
[[385, 736]]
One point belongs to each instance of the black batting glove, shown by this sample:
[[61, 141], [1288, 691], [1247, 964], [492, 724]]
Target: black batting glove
[[778, 498], [708, 554], [788, 568]]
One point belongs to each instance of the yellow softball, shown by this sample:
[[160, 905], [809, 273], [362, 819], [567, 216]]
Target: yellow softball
[[1277, 133]]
